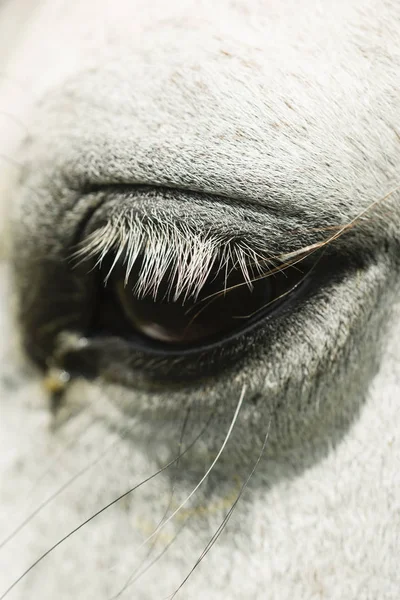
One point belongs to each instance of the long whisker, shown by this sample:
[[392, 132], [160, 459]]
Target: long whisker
[[102, 510], [158, 557], [206, 474], [226, 518], [283, 295], [297, 256], [64, 486], [134, 575], [313, 247], [47, 470]]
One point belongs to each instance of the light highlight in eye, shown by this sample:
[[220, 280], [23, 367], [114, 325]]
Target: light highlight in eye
[[226, 303]]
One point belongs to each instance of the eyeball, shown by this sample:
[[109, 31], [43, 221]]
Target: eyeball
[[226, 304]]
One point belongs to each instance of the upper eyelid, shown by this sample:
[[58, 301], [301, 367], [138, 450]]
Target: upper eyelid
[[285, 236], [233, 220], [118, 236]]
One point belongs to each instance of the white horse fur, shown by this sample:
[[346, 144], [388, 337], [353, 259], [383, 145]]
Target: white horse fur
[[247, 131]]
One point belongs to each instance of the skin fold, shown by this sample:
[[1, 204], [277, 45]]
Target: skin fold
[[198, 128]]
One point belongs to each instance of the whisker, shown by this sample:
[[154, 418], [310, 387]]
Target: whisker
[[48, 469], [226, 518], [155, 559], [283, 295], [206, 474], [134, 575], [67, 483], [102, 510], [313, 247], [302, 253]]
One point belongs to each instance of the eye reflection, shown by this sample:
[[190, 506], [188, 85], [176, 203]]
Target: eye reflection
[[226, 303]]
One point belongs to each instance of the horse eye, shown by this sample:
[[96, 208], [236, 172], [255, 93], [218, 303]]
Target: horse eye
[[226, 304]]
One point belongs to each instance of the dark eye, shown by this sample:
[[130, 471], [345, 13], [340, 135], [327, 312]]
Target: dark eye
[[226, 304]]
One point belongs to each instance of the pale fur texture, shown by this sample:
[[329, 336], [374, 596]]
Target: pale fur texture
[[197, 134], [191, 255]]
